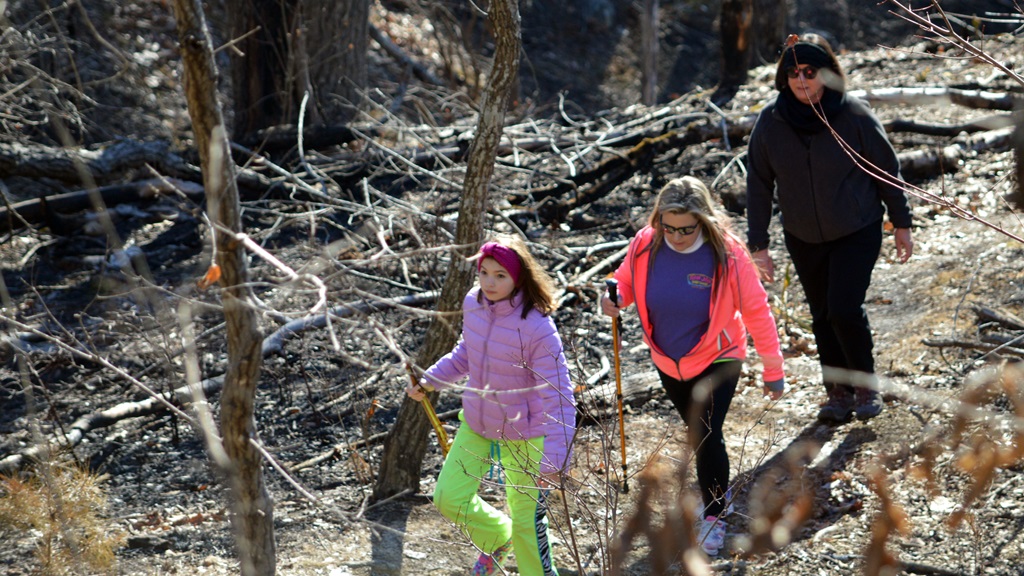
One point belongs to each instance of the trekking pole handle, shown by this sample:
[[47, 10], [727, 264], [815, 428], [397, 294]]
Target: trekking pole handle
[[613, 290], [613, 293]]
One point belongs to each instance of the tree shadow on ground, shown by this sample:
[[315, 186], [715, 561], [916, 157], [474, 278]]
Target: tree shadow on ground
[[387, 545]]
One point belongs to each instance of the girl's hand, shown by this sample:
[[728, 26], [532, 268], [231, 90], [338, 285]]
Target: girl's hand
[[773, 394], [608, 307], [549, 481], [417, 391]]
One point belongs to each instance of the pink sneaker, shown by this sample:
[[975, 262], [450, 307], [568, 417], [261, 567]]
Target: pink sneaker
[[711, 535], [490, 564]]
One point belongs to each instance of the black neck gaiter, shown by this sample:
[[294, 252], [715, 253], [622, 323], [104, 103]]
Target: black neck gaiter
[[802, 117]]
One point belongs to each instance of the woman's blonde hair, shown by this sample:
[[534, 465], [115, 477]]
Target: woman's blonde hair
[[688, 195], [536, 285]]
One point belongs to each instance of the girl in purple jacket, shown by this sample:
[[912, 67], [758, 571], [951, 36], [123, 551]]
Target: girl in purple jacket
[[518, 409]]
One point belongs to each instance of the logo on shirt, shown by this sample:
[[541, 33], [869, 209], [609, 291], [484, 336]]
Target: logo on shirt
[[699, 281]]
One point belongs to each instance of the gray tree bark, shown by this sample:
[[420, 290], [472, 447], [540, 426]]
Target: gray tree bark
[[290, 48], [251, 504], [406, 444], [649, 41], [1017, 196]]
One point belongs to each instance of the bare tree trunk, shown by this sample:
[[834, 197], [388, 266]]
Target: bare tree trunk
[[405, 446], [1017, 197], [291, 48], [253, 517], [769, 31], [335, 43], [261, 92], [649, 40], [735, 21], [750, 32]]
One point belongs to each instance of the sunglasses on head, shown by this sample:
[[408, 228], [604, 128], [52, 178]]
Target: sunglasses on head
[[809, 73], [683, 230]]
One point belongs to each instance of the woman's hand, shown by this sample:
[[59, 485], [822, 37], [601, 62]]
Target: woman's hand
[[417, 391], [765, 265], [904, 244], [608, 307]]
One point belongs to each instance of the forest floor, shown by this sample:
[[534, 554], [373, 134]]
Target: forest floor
[[852, 479]]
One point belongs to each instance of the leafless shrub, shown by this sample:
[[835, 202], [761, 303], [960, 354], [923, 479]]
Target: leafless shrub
[[666, 522], [982, 440], [890, 519]]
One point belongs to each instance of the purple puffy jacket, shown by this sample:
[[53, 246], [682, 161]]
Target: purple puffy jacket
[[519, 385]]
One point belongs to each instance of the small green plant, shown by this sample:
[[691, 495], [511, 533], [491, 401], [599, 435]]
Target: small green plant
[[63, 509]]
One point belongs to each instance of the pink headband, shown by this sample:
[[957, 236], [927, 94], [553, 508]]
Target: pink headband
[[504, 255]]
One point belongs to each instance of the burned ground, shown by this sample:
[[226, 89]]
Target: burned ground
[[322, 408]]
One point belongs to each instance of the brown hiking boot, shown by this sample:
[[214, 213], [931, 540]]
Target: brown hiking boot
[[838, 408], [868, 404]]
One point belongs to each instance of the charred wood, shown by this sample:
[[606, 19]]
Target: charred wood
[[49, 209]]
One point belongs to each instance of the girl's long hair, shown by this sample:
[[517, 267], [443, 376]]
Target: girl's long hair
[[536, 285], [688, 195]]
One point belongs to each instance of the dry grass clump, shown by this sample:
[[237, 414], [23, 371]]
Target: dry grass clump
[[64, 510]]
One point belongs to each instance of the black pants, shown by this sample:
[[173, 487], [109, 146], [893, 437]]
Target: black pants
[[835, 276], [703, 403]]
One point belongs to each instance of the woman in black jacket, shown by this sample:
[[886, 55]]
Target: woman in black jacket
[[825, 156]]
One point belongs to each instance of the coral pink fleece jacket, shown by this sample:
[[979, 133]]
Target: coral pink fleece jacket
[[519, 385], [739, 302]]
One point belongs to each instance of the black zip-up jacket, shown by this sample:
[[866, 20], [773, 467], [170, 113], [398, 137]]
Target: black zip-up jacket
[[823, 194]]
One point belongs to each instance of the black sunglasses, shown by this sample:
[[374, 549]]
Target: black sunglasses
[[684, 230], [810, 72]]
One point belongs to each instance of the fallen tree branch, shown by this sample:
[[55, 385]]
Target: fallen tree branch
[[617, 167], [398, 54], [1007, 319], [107, 164], [938, 95], [104, 164], [972, 345], [923, 164], [45, 209], [183, 395], [928, 569], [649, 136], [994, 122]]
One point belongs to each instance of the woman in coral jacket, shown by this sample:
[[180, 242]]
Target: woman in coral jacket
[[697, 292]]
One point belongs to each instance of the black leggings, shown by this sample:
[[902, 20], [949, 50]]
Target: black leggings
[[703, 403], [835, 276]]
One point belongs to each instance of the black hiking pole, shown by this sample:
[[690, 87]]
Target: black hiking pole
[[613, 294], [442, 436]]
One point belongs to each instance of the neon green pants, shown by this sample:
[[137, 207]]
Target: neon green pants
[[471, 459]]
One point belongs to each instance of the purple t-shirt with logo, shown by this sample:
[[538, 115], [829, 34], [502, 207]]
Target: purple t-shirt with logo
[[679, 298]]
